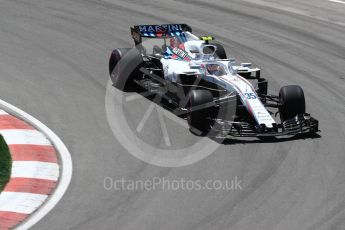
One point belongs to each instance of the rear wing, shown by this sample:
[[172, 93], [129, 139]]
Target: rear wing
[[154, 31]]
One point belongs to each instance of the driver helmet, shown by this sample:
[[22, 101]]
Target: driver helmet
[[215, 69]]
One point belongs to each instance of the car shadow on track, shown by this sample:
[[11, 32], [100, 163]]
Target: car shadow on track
[[234, 141]]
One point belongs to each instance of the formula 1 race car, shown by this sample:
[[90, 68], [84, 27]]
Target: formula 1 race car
[[194, 75]]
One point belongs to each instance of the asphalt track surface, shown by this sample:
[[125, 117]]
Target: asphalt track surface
[[53, 65]]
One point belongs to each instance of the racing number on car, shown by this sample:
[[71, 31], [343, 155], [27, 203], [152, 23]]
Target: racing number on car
[[250, 95]]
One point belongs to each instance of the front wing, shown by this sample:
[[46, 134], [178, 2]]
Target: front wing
[[301, 124]]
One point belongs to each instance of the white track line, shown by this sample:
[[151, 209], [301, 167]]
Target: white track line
[[35, 170], [65, 164], [337, 1]]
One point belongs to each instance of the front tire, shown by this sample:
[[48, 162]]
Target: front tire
[[124, 65], [200, 119], [292, 102]]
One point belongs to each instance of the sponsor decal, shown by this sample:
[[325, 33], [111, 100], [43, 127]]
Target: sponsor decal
[[160, 28], [265, 120], [179, 52], [176, 54]]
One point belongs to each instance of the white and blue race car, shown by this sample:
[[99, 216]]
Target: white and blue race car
[[195, 77]]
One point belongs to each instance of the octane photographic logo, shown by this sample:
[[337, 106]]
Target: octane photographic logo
[[151, 132]]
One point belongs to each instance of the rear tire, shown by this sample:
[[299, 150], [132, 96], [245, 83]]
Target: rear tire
[[200, 119], [292, 102], [124, 65]]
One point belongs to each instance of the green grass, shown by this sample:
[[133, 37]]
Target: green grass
[[5, 163]]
